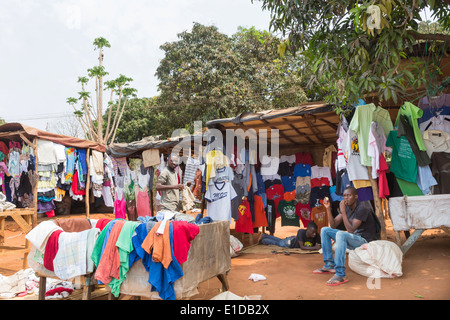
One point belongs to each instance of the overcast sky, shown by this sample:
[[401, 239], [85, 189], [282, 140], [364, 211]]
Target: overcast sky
[[45, 45]]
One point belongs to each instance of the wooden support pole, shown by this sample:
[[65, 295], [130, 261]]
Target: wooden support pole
[[203, 203], [152, 208], [411, 240], [36, 176], [377, 201]]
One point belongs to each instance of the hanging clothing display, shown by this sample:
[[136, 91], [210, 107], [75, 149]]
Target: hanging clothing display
[[403, 163], [219, 196], [360, 124]]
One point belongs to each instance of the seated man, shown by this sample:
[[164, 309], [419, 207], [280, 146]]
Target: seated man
[[360, 225], [306, 239]]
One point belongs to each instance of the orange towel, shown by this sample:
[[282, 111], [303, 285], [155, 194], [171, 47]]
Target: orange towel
[[160, 243], [109, 264]]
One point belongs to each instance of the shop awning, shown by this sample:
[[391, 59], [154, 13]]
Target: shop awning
[[135, 148], [313, 123], [17, 131]]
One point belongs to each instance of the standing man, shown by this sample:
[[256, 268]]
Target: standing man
[[169, 186], [360, 224]]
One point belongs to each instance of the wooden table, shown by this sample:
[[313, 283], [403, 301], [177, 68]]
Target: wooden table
[[27, 220]]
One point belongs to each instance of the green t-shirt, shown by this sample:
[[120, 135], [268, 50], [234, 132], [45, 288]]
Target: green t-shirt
[[409, 188], [413, 113], [403, 163], [125, 246], [383, 118], [286, 209], [360, 124]]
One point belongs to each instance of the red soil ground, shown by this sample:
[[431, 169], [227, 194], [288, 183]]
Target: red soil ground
[[426, 272]]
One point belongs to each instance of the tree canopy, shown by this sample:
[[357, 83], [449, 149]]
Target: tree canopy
[[356, 47], [208, 75]]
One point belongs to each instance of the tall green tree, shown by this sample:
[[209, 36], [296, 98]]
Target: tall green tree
[[207, 75], [357, 47]]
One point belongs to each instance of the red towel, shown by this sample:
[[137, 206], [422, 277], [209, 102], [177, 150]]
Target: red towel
[[183, 234], [54, 291], [51, 249], [102, 222]]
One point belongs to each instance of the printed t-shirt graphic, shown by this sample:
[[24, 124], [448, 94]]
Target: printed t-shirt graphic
[[275, 193], [303, 211], [351, 148], [319, 216], [403, 163], [286, 209], [219, 196], [360, 124], [244, 223]]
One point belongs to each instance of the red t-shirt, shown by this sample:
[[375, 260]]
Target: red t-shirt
[[260, 213], [304, 213], [244, 223], [304, 157], [318, 182], [275, 191]]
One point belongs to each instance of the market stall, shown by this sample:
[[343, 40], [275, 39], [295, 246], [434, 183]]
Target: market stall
[[308, 166], [37, 168], [380, 150], [129, 258], [137, 164]]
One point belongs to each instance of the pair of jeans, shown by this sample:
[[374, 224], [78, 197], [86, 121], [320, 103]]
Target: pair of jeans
[[268, 239], [343, 241]]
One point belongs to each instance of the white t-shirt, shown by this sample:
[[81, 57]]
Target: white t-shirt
[[355, 170], [219, 196], [269, 165], [377, 144]]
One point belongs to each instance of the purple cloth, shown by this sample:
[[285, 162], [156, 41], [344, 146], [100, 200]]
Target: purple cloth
[[45, 206], [365, 194]]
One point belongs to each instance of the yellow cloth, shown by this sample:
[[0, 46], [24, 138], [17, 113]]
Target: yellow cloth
[[214, 159], [361, 183]]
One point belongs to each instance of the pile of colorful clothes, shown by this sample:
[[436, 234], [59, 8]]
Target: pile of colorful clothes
[[109, 247]]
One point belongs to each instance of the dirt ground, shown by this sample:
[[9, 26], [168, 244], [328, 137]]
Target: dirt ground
[[426, 271]]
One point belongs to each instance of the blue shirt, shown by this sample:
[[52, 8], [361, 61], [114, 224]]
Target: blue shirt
[[302, 170], [288, 183]]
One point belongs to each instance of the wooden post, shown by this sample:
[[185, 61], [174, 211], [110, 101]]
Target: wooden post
[[151, 203], [88, 183], [377, 201], [36, 176], [203, 203]]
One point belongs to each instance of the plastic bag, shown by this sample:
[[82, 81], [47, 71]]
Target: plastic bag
[[377, 259], [235, 246]]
